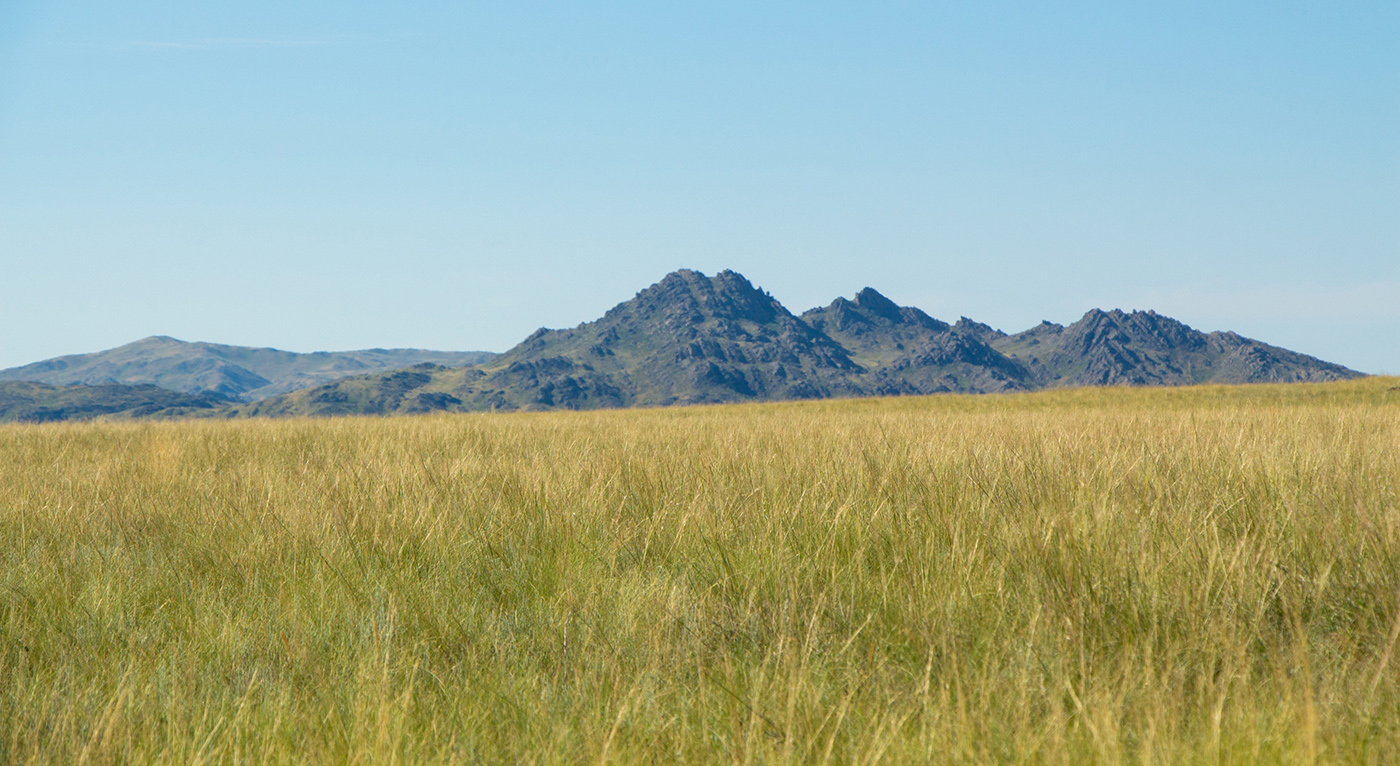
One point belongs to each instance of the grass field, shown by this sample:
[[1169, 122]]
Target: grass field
[[1204, 575]]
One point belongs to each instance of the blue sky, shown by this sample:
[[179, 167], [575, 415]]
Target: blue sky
[[321, 176]]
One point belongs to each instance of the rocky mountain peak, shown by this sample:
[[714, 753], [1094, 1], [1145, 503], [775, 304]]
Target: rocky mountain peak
[[911, 351], [690, 297], [869, 311], [689, 338], [971, 328], [877, 304], [1145, 348], [1146, 329]]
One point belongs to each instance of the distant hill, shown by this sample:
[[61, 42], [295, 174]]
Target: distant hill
[[25, 401], [231, 372], [692, 339]]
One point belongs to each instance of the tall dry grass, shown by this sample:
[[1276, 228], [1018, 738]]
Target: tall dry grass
[[1206, 575]]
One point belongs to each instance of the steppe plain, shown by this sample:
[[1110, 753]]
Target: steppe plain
[[1207, 574]]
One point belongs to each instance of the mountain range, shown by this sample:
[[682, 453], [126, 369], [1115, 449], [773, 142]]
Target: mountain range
[[694, 339]]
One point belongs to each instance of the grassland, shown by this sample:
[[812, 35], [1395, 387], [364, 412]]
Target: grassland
[[1204, 575]]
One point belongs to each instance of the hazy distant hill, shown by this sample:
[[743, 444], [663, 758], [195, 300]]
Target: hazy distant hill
[[39, 402], [694, 339], [232, 372]]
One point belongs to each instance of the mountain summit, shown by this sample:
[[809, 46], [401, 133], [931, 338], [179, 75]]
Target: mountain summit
[[910, 352], [692, 339]]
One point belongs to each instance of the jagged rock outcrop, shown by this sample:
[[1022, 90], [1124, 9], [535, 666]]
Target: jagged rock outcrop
[[693, 339]]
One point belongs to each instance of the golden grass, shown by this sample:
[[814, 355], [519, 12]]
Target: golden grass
[[1205, 575]]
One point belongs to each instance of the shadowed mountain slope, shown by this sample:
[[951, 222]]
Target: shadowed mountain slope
[[1144, 348], [231, 372], [26, 401]]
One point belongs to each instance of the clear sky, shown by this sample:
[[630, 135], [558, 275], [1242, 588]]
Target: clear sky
[[332, 175]]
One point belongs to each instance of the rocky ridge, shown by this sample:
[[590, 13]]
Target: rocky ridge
[[693, 339], [1144, 348]]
